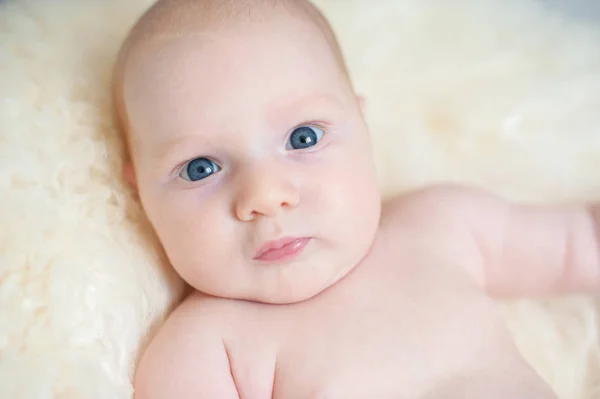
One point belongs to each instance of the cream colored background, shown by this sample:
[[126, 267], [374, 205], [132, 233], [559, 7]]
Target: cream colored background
[[504, 94]]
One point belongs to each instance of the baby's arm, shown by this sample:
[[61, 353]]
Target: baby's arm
[[518, 249], [186, 359]]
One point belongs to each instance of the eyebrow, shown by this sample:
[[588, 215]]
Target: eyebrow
[[164, 149], [305, 102]]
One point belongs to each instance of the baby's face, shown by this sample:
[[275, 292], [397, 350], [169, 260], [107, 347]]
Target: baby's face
[[245, 138]]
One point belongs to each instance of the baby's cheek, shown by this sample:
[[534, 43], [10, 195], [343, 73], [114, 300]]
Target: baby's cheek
[[357, 199], [198, 250], [344, 199], [186, 228], [353, 179]]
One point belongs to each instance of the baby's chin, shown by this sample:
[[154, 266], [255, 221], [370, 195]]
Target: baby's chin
[[285, 294], [298, 295]]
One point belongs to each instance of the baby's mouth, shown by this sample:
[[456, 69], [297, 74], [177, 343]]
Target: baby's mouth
[[283, 249]]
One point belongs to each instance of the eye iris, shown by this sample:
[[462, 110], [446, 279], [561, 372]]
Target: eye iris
[[200, 168], [303, 137]]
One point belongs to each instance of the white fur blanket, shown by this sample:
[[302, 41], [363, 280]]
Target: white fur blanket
[[504, 94]]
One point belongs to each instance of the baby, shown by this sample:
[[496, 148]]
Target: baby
[[249, 152]]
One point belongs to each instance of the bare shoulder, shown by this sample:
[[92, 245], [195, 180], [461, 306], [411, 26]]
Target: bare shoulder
[[187, 358], [459, 222], [442, 204]]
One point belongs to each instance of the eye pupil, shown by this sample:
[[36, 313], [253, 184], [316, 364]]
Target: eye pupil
[[202, 169]]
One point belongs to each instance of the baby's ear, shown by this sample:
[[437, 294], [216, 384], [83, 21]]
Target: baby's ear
[[361, 103], [129, 174]]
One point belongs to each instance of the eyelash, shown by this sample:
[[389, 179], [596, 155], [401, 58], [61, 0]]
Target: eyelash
[[320, 125]]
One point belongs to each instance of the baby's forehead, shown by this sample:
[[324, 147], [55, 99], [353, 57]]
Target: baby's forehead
[[195, 79], [176, 18], [168, 21]]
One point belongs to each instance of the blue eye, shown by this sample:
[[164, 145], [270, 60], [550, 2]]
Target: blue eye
[[304, 137], [198, 169]]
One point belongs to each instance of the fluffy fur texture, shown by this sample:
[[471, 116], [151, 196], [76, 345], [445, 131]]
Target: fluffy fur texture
[[502, 94]]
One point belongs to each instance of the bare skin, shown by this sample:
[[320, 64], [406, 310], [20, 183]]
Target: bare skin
[[391, 300], [410, 321]]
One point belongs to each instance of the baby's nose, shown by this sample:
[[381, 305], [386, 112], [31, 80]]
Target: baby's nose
[[265, 194]]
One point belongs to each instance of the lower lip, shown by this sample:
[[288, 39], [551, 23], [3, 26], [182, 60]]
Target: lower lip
[[286, 252]]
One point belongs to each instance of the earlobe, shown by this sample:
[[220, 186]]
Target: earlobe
[[129, 175], [361, 103]]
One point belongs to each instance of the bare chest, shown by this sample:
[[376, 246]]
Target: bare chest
[[385, 331]]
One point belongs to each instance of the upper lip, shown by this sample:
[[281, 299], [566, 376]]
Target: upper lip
[[274, 244]]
